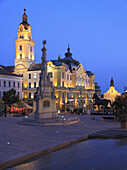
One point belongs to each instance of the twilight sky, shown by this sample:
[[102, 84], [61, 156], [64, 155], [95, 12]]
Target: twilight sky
[[95, 29]]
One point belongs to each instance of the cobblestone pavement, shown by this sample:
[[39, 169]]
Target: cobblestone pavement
[[18, 140]]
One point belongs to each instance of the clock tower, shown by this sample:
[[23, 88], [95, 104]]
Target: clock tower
[[24, 46]]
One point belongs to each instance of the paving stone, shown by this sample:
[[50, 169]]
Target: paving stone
[[24, 138]]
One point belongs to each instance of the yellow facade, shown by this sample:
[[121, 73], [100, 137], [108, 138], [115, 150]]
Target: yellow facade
[[111, 93], [74, 86]]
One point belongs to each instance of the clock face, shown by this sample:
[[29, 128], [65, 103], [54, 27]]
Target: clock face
[[21, 29]]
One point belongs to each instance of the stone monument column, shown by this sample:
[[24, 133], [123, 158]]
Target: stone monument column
[[45, 101]]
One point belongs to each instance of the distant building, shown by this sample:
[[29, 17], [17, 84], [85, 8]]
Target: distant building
[[9, 81], [111, 93]]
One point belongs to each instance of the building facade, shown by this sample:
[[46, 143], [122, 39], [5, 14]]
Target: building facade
[[112, 92], [74, 86], [9, 81]]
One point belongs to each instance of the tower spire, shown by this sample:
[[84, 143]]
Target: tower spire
[[24, 17], [68, 48], [111, 82], [68, 54]]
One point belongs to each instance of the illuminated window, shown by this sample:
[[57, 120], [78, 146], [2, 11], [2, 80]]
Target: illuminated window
[[35, 75], [20, 47]]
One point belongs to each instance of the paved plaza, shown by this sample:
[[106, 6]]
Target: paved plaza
[[18, 140]]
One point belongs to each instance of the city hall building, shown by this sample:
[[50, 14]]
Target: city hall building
[[74, 86]]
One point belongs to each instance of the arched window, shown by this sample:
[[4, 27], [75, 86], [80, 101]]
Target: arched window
[[46, 103]]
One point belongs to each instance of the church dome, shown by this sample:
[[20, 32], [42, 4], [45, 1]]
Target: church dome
[[68, 58], [24, 21]]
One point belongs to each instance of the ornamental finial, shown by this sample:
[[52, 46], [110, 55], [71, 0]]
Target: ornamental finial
[[68, 48], [24, 16], [44, 42]]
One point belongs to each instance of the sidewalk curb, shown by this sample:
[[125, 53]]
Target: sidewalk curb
[[21, 159]]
